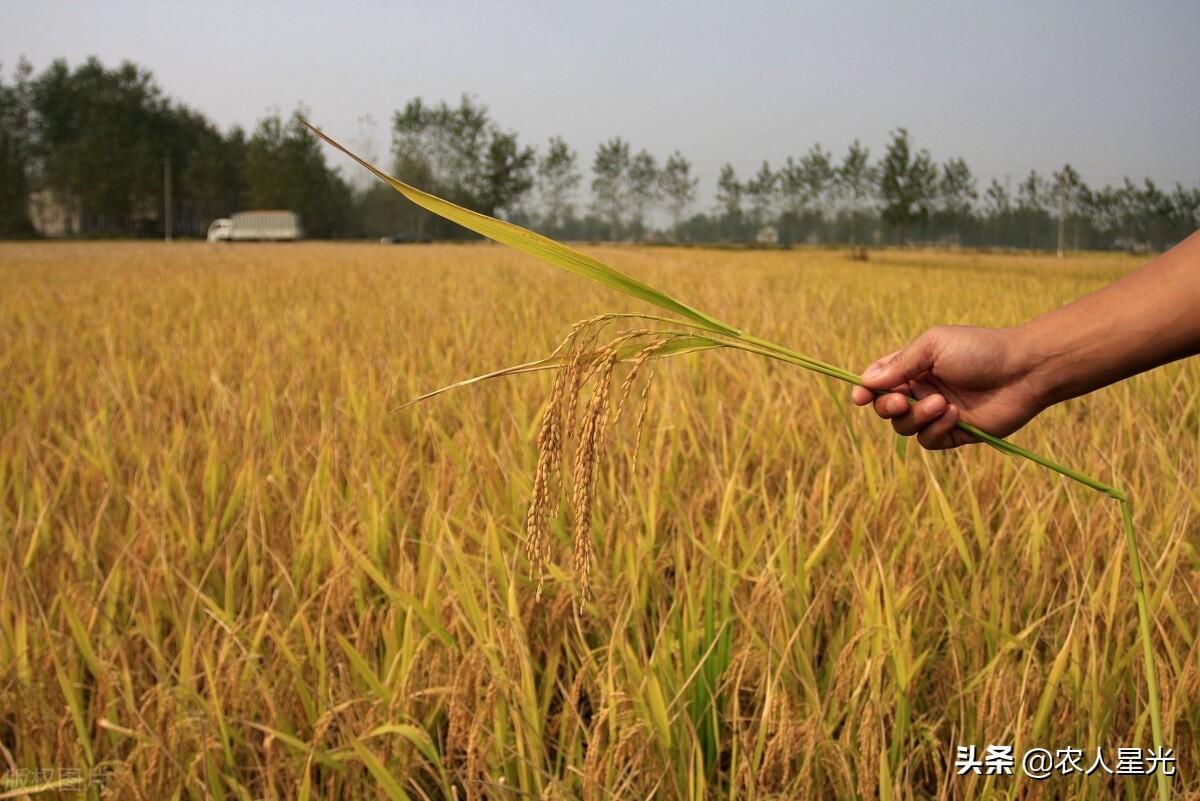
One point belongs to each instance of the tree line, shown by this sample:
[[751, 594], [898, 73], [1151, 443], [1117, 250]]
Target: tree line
[[83, 152]]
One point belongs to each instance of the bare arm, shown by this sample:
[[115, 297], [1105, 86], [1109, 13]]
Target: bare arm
[[999, 379], [1148, 318]]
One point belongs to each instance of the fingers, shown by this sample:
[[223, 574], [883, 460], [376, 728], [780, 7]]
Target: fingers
[[891, 405], [914, 419], [861, 395], [903, 365], [941, 433], [931, 419], [905, 375]]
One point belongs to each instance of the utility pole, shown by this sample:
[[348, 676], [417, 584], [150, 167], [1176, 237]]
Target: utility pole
[[1062, 212], [166, 199]]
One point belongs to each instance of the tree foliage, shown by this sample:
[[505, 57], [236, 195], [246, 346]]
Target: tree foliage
[[679, 188], [83, 152], [285, 169], [644, 191], [907, 184], [558, 179], [461, 154], [856, 182], [729, 204], [956, 196], [761, 192], [610, 184], [16, 146]]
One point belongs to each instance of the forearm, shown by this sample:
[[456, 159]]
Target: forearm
[[1148, 318]]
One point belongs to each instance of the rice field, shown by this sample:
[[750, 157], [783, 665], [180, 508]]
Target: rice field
[[231, 568]]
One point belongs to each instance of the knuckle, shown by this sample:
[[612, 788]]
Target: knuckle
[[930, 441], [937, 333]]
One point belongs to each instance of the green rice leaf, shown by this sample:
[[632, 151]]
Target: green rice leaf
[[543, 247]]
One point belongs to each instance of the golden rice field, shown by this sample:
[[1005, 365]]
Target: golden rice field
[[230, 569]]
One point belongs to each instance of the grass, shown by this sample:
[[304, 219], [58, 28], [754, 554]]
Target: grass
[[229, 570]]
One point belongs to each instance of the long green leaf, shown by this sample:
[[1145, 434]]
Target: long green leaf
[[541, 246]]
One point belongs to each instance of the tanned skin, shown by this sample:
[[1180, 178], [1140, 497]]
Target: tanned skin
[[999, 379]]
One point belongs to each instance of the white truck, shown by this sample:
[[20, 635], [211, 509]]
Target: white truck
[[248, 226]]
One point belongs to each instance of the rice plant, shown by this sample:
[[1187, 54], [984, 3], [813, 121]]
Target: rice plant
[[711, 333], [227, 570]]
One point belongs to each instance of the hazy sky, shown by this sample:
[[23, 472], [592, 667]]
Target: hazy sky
[[1113, 88]]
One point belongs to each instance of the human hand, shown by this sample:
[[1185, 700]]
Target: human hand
[[982, 376]]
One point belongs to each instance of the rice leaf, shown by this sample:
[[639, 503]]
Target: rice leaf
[[541, 246]]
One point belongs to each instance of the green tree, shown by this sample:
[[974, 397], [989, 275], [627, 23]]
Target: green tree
[[793, 192], [460, 153], [412, 151], [643, 191], [956, 196], [998, 213], [729, 203], [907, 184], [557, 180], [1035, 198], [507, 174], [761, 191], [1077, 193], [805, 187], [817, 177], [378, 210], [101, 139], [1186, 212], [610, 184], [679, 188], [856, 181], [16, 146], [208, 176], [1155, 213], [1105, 213], [286, 169]]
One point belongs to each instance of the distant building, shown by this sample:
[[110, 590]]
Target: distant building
[[767, 235], [54, 216], [51, 217]]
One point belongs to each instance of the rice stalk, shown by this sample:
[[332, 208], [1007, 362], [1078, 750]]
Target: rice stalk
[[725, 335]]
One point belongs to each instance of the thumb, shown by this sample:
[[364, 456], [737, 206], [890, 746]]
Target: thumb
[[903, 365]]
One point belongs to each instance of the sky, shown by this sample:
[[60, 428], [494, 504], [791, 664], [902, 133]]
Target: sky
[[1111, 88]]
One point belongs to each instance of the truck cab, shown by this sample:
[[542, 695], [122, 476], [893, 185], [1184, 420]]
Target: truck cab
[[221, 230]]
